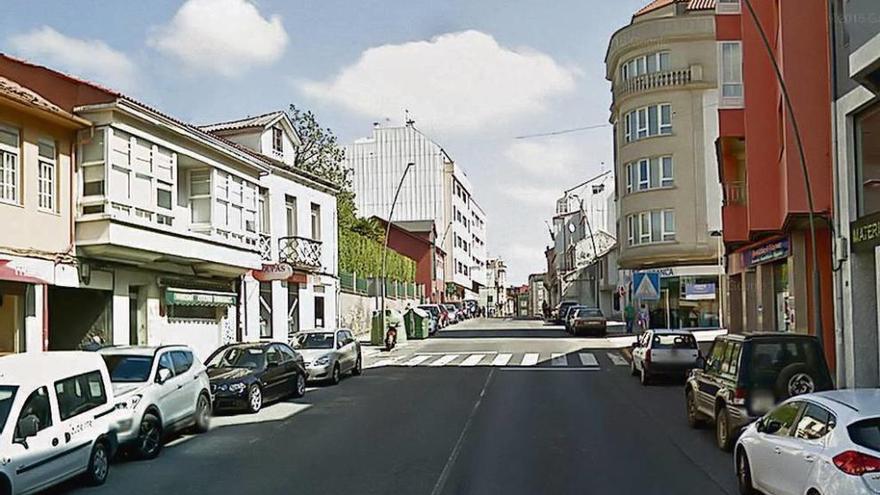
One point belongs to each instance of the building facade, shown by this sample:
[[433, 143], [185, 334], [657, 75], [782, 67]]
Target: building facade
[[537, 295], [435, 189], [493, 297], [766, 209], [662, 67], [418, 241], [855, 113]]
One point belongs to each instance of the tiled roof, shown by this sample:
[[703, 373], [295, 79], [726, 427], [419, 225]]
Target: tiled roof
[[257, 122], [656, 4], [701, 5], [692, 5], [15, 91]]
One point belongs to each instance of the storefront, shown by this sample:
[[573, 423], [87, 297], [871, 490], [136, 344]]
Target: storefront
[[23, 313], [687, 297]]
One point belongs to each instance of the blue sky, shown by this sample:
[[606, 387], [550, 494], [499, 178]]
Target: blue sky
[[475, 74]]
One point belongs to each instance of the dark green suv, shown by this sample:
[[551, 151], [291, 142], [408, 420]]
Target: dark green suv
[[744, 376]]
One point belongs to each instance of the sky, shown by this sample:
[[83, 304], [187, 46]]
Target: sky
[[474, 74]]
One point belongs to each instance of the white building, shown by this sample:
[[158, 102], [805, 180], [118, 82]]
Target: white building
[[493, 296], [436, 188], [296, 288]]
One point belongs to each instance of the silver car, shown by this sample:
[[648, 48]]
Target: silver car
[[328, 354]]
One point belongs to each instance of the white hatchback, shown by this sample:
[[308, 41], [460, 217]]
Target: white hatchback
[[56, 420], [827, 443]]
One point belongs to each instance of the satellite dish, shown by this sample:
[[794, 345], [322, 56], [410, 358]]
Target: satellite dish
[[571, 228]]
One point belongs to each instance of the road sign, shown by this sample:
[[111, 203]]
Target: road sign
[[647, 286]]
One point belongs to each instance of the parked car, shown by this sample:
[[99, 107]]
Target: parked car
[[329, 354], [825, 443], [744, 376], [158, 390], [664, 352], [589, 321], [436, 315], [246, 376], [562, 311], [453, 313], [570, 311], [57, 420]]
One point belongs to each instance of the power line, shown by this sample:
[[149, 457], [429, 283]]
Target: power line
[[564, 131]]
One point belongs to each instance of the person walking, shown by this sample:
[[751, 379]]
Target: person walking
[[644, 318], [629, 315]]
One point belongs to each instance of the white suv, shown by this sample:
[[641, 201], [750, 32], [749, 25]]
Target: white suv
[[158, 390], [56, 420]]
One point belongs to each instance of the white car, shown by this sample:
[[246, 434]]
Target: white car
[[329, 354], [158, 390], [664, 352], [827, 443], [56, 420]]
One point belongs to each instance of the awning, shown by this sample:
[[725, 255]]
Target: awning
[[192, 297]]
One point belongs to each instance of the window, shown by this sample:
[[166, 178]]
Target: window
[[666, 174], [319, 311], [785, 415], [649, 121], [645, 64], [730, 73], [200, 196], [206, 313], [9, 158], [182, 361], [273, 356], [277, 140], [92, 162], [716, 356], [36, 406], [814, 423], [263, 210], [290, 209], [651, 227], [46, 175], [644, 175], [727, 7], [80, 394], [166, 363], [287, 354], [867, 164], [316, 222], [265, 310]]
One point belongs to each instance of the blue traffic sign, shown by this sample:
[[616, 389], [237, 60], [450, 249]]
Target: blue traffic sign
[[646, 286]]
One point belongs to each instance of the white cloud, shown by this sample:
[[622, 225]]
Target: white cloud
[[546, 156], [92, 59], [225, 37], [533, 195], [458, 82]]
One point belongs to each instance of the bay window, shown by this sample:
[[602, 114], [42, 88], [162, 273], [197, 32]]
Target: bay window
[[654, 120], [651, 227], [200, 196], [93, 162]]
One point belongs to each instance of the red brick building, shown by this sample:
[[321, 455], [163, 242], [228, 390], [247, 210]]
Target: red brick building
[[418, 240]]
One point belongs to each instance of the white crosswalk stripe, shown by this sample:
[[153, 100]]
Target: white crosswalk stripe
[[446, 359], [588, 359], [473, 360], [502, 359], [382, 363], [617, 359], [416, 360], [558, 359], [530, 359]]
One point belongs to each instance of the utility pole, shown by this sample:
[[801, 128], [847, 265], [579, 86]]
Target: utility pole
[[385, 247]]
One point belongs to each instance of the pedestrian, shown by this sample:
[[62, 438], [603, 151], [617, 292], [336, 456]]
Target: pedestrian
[[629, 314], [644, 317]]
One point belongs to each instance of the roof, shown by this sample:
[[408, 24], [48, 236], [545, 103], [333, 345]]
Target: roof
[[770, 335], [42, 368], [138, 350], [864, 400], [14, 91], [416, 225], [258, 122], [656, 4]]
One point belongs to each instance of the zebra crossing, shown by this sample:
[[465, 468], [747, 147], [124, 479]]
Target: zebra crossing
[[551, 360]]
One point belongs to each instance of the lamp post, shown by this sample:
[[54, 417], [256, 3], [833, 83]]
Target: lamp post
[[593, 241], [385, 246], [719, 235]]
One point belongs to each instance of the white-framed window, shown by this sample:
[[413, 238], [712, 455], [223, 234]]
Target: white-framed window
[[627, 127], [649, 173], [654, 120], [730, 74], [277, 140], [46, 178], [290, 210], [200, 196], [10, 153], [651, 227], [728, 7], [629, 178], [316, 222], [92, 162], [667, 178], [645, 64], [644, 170], [263, 211], [235, 205]]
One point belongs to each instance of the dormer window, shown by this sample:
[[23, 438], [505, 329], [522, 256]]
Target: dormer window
[[277, 141]]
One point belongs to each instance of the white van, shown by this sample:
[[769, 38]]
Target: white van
[[56, 420]]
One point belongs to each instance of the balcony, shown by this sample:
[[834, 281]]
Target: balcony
[[659, 80], [734, 213], [735, 193], [265, 245], [300, 252]]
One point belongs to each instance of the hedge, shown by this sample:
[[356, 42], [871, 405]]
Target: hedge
[[362, 255]]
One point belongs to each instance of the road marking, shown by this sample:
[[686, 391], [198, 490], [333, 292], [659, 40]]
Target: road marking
[[558, 359], [560, 368], [530, 359], [617, 359], [473, 360], [446, 359], [417, 360], [588, 359], [502, 359], [382, 363]]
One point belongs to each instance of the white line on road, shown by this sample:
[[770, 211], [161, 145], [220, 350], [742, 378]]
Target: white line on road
[[530, 359], [416, 360], [588, 359], [617, 359], [382, 363], [558, 359], [446, 359], [573, 368], [502, 359], [473, 360]]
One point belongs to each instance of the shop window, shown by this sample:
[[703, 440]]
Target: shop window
[[868, 160], [207, 314], [292, 308], [266, 310]]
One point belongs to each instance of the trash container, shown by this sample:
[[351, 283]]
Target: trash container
[[393, 318], [418, 323]]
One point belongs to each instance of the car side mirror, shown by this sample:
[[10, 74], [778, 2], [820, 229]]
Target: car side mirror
[[163, 375], [339, 344], [27, 427], [769, 426]]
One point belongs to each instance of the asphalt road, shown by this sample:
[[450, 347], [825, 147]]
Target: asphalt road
[[564, 424]]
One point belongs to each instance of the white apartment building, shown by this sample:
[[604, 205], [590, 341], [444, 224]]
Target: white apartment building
[[436, 188], [493, 297]]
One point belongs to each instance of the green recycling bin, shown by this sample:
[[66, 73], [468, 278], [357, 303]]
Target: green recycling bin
[[377, 333], [418, 323]]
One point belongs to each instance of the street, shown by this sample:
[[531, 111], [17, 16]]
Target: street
[[571, 420]]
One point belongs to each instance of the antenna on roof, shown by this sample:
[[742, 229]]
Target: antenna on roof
[[408, 120]]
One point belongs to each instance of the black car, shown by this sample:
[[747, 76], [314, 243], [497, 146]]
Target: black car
[[744, 376], [245, 376], [562, 311]]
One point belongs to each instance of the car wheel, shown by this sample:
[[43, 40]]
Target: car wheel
[[645, 377], [255, 398], [744, 474], [795, 379], [358, 366], [694, 418], [149, 437], [334, 375], [722, 429], [299, 388], [202, 419], [99, 464]]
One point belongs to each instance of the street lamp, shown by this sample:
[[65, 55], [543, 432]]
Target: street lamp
[[593, 241], [387, 234]]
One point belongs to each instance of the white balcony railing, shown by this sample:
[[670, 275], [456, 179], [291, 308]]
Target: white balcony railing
[[657, 80]]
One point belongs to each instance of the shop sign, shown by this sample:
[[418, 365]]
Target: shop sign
[[772, 251], [280, 271], [699, 292], [865, 232]]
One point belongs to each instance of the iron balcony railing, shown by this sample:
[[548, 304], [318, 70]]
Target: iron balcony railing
[[300, 252], [265, 243]]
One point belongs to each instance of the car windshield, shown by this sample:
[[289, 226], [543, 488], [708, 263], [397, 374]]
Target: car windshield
[[7, 396], [768, 359], [238, 357], [128, 368], [589, 313], [673, 341], [431, 309], [315, 341], [866, 433]]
